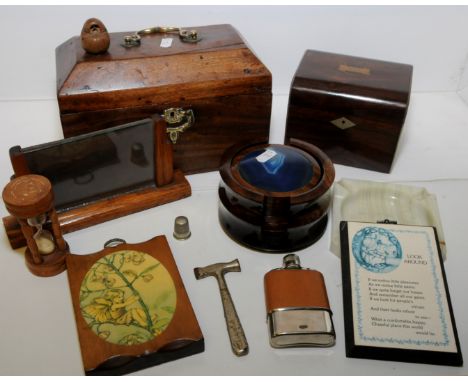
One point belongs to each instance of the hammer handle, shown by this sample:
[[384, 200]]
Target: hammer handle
[[236, 333]]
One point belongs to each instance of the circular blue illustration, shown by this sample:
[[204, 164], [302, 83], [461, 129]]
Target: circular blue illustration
[[377, 249]]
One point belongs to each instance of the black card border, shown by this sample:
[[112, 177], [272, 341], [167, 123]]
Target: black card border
[[385, 353]]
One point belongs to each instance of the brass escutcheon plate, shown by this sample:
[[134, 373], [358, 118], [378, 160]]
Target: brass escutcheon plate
[[343, 123]]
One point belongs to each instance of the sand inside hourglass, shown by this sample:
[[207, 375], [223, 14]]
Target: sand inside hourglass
[[43, 238]]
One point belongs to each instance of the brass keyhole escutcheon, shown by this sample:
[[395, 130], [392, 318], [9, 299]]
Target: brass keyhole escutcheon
[[178, 120]]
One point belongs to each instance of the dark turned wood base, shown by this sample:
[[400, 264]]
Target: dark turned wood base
[[273, 221], [51, 265], [252, 237]]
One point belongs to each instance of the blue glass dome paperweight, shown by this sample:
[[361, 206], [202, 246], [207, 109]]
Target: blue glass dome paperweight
[[275, 198], [276, 169]]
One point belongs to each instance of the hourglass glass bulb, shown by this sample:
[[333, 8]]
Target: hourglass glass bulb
[[44, 241], [43, 238]]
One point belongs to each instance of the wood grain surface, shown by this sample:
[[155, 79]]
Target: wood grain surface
[[111, 208], [275, 221], [103, 357], [219, 78], [372, 94], [170, 186]]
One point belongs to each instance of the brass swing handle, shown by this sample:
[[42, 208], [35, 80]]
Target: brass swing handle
[[176, 115], [184, 35]]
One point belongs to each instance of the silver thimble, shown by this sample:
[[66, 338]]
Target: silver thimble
[[181, 228]]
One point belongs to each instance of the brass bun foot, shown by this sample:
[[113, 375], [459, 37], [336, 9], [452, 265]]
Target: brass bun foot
[[51, 265]]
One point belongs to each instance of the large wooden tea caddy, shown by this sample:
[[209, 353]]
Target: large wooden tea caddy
[[212, 91], [352, 108]]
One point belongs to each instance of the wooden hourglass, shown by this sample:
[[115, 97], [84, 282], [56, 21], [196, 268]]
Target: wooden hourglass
[[30, 199]]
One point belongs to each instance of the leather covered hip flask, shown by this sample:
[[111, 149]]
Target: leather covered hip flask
[[298, 311]]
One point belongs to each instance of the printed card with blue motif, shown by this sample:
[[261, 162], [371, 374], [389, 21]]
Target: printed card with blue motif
[[395, 294]]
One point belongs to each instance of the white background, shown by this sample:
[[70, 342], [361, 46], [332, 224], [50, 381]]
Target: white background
[[37, 329]]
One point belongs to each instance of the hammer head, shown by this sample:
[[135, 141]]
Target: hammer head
[[217, 269]]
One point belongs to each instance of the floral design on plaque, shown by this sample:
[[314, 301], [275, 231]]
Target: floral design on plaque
[[377, 249], [128, 298]]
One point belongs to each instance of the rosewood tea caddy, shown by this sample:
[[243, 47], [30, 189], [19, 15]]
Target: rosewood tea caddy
[[352, 108], [205, 81], [275, 198]]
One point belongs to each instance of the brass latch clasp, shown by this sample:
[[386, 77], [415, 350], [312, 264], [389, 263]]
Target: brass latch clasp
[[174, 116]]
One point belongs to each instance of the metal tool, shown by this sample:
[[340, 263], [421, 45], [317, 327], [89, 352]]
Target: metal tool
[[236, 333]]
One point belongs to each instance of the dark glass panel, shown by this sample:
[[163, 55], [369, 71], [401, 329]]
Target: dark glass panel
[[96, 165]]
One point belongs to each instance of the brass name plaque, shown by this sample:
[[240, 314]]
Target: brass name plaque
[[354, 69]]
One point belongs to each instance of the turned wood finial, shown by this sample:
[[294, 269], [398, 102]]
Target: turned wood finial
[[28, 196], [94, 37]]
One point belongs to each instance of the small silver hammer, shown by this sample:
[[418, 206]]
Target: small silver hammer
[[236, 333]]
